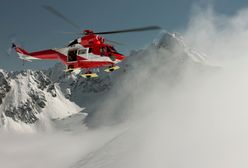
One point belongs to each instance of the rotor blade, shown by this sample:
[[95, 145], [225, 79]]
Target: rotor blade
[[114, 42], [8, 51], [147, 28], [73, 33], [60, 15]]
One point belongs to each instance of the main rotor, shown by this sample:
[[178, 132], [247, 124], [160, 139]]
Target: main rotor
[[87, 32]]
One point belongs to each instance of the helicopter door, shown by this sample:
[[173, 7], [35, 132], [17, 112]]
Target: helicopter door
[[72, 55]]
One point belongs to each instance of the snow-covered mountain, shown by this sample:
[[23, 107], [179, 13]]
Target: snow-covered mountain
[[175, 42], [168, 48], [30, 101]]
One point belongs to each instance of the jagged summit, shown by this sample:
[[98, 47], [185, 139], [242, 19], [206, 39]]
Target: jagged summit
[[176, 42], [29, 100]]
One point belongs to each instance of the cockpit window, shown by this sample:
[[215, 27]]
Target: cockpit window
[[112, 49], [81, 52], [108, 49]]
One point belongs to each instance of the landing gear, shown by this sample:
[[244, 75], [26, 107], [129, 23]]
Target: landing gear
[[112, 68], [70, 69], [89, 74]]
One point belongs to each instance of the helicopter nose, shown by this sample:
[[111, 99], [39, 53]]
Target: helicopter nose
[[119, 56]]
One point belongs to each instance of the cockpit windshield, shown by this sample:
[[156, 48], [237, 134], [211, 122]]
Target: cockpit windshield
[[112, 49]]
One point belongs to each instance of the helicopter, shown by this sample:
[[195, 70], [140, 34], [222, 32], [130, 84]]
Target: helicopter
[[88, 52]]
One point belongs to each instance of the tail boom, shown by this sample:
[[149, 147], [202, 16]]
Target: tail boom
[[39, 55]]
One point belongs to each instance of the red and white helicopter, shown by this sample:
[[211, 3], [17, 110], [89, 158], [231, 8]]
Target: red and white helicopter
[[87, 52]]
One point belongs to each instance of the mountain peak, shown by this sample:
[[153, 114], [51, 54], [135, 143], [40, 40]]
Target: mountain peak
[[175, 42]]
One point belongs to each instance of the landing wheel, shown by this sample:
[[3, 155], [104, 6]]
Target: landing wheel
[[89, 74], [69, 69], [111, 68]]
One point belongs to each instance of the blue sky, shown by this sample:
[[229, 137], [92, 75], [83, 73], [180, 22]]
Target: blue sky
[[36, 29]]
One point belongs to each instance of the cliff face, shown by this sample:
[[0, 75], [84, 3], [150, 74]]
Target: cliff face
[[29, 98]]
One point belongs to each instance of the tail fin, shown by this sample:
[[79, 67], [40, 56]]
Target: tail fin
[[19, 50], [23, 54]]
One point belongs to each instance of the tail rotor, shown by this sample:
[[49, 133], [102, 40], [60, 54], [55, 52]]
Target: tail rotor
[[13, 46]]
